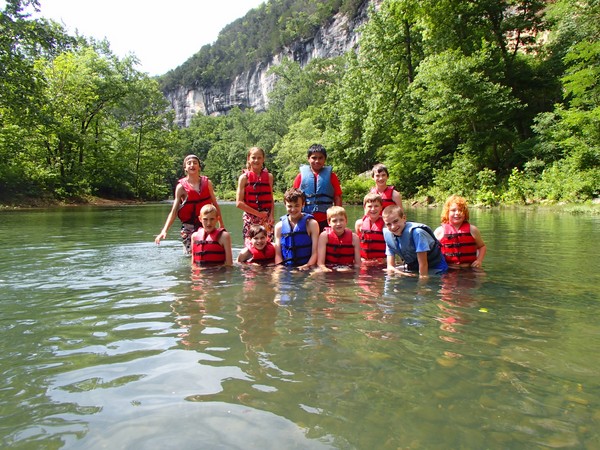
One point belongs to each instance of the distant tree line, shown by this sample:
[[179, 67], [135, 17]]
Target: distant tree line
[[75, 120], [494, 100]]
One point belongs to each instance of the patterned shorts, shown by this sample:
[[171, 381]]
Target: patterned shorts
[[187, 230], [251, 219]]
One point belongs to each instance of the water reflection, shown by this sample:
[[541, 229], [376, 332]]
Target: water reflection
[[112, 341]]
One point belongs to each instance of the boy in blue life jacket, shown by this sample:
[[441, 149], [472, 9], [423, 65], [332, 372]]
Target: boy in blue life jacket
[[414, 242], [296, 233], [320, 185]]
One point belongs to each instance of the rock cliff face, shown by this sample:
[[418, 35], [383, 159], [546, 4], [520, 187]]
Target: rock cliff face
[[250, 89]]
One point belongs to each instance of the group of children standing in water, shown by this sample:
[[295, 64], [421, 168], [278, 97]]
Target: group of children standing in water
[[315, 232]]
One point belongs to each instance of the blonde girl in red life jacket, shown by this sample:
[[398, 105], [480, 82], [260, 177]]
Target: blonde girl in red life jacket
[[192, 192], [254, 194], [211, 246], [260, 250], [462, 244]]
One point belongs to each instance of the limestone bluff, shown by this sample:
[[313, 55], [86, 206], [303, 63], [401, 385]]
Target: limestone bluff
[[250, 89]]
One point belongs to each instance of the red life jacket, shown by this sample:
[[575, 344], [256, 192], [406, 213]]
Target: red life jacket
[[264, 256], [458, 246], [190, 209], [258, 193], [206, 249], [340, 250], [386, 196], [372, 242]]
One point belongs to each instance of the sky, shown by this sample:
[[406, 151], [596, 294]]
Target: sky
[[163, 35]]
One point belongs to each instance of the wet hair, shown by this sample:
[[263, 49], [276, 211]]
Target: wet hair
[[372, 197], [188, 157], [293, 194], [207, 209], [393, 209], [316, 148], [378, 168], [336, 211], [252, 149], [460, 202], [255, 230]]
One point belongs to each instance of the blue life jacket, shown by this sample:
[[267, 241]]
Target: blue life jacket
[[321, 199], [409, 255], [296, 244]]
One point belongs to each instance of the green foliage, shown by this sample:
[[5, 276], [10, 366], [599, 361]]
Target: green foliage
[[460, 178], [356, 188], [291, 151], [455, 105], [76, 120], [454, 97]]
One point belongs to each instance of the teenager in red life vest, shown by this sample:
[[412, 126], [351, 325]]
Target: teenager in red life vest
[[192, 192], [389, 194]]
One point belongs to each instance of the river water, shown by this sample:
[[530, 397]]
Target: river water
[[109, 341]]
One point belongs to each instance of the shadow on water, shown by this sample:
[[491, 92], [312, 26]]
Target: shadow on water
[[113, 341]]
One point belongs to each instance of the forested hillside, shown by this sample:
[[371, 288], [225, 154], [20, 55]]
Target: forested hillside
[[256, 37], [494, 100]]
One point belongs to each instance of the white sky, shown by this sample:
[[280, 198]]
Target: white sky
[[162, 34]]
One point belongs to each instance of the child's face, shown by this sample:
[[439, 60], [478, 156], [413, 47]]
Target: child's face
[[209, 221], [192, 165], [316, 161], [456, 215], [338, 223], [394, 223], [373, 209], [294, 209], [259, 241], [381, 178], [256, 160]]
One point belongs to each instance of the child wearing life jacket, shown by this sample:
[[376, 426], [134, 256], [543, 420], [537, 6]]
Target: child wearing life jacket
[[369, 230], [192, 192], [389, 194], [338, 245], [259, 250], [255, 194], [414, 242], [462, 243], [320, 185], [296, 234], [211, 246]]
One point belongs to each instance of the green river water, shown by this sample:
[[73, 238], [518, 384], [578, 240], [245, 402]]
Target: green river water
[[109, 341]]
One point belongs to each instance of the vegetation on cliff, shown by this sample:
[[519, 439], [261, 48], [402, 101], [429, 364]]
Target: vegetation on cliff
[[497, 101], [260, 34]]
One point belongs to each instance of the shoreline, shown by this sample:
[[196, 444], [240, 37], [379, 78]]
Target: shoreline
[[38, 203], [592, 208]]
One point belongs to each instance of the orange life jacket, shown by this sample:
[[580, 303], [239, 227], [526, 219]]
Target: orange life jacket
[[372, 242], [258, 193], [387, 196], [340, 250], [264, 256], [190, 209], [458, 246], [206, 249]]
